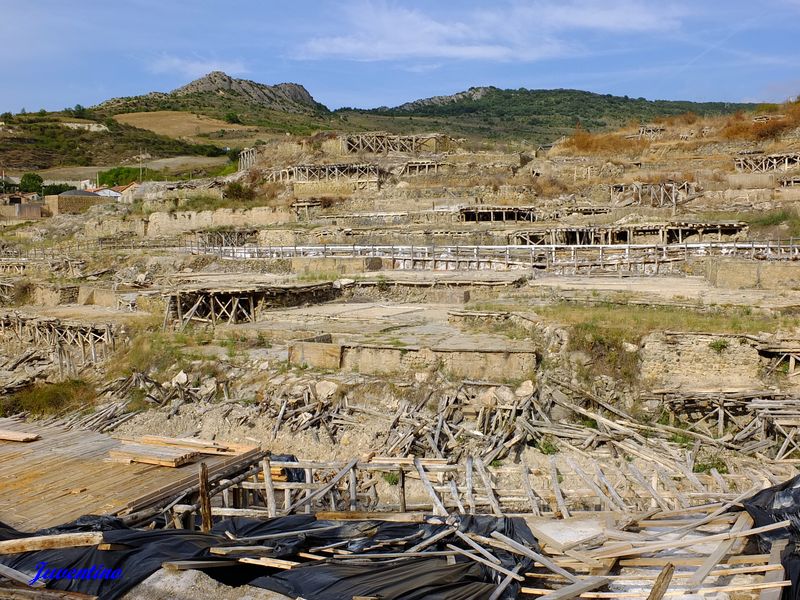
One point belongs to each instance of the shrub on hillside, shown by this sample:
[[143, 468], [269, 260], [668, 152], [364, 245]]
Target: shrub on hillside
[[237, 191]]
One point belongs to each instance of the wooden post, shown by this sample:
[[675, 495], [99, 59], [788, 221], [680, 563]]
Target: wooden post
[[269, 488], [402, 483], [205, 500], [309, 479], [353, 490]]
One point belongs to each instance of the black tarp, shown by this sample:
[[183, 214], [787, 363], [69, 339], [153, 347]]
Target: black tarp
[[409, 579], [780, 503]]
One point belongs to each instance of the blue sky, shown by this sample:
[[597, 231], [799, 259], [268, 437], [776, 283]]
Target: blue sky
[[369, 53]]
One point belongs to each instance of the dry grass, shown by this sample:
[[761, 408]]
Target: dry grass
[[583, 142], [47, 398], [740, 126], [633, 322], [176, 124]]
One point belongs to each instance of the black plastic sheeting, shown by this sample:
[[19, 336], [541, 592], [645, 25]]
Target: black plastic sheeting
[[772, 505], [408, 579]]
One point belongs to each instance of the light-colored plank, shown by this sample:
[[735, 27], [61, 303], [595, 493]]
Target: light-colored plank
[[50, 542], [7, 435]]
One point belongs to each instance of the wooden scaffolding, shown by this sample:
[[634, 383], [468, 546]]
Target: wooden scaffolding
[[229, 237], [93, 342], [362, 176], [247, 158], [380, 142], [217, 306], [657, 195], [764, 163]]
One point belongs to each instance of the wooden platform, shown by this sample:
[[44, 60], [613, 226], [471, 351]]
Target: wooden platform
[[66, 474]]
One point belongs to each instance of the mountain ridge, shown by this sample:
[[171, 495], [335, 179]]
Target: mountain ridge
[[282, 97]]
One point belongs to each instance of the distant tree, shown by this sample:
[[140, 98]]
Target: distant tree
[[22, 111], [30, 182], [80, 112], [56, 188], [233, 118], [42, 112], [6, 116]]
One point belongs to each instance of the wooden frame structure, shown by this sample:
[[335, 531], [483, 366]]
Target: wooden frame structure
[[765, 163], [657, 195], [237, 305], [491, 214], [247, 158], [225, 237], [362, 175], [415, 168], [674, 232], [95, 342], [651, 132], [648, 259], [380, 142]]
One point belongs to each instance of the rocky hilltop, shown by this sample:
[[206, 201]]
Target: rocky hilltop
[[288, 97], [283, 97], [473, 93]]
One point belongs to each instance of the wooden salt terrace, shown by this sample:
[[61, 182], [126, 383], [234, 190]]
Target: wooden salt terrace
[[65, 474], [233, 305]]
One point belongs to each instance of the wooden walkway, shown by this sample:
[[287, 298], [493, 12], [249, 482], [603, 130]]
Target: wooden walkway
[[66, 474]]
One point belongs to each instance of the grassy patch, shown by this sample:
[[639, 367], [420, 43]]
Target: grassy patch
[[49, 398], [719, 345], [605, 345], [319, 276], [711, 463], [391, 478], [634, 322], [547, 446]]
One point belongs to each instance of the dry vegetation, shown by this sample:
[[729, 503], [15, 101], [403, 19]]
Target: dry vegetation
[[583, 142], [174, 123], [785, 118]]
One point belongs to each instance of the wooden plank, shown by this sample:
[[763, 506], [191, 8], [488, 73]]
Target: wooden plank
[[150, 455], [498, 592], [186, 565], [320, 493], [661, 585], [486, 562], [487, 483], [269, 488], [50, 542], [205, 499], [744, 522], [19, 577], [8, 435], [681, 593], [42, 594], [275, 563], [774, 560], [629, 549], [543, 560], [438, 507], [562, 506], [576, 589], [431, 540]]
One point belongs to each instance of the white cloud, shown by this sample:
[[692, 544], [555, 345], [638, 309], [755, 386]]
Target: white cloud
[[512, 31], [195, 67]]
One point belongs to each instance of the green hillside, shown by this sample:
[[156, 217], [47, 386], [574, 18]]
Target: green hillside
[[41, 141], [535, 115], [221, 106]]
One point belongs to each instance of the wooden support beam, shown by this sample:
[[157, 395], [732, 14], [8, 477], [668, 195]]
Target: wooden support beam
[[744, 522], [205, 499], [438, 506], [50, 542]]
